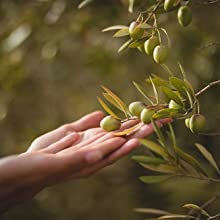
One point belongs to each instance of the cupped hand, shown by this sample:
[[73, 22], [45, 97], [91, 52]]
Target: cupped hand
[[81, 148]]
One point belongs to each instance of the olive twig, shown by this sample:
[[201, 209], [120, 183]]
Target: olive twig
[[209, 45], [199, 178], [210, 134], [208, 2], [214, 83], [152, 12]]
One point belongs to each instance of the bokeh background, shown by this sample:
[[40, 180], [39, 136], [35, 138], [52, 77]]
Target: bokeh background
[[53, 59]]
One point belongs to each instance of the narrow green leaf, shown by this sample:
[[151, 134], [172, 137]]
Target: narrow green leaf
[[191, 160], [161, 168], [115, 27], [111, 100], [107, 109], [159, 133], [122, 33], [179, 85], [131, 5], [128, 131], [138, 43], [189, 88], [166, 113], [155, 148], [176, 216], [124, 46], [196, 208], [182, 70], [208, 156], [141, 90], [84, 3], [151, 211], [149, 160], [122, 105], [145, 26], [154, 179], [171, 95], [158, 81], [190, 99], [155, 90]]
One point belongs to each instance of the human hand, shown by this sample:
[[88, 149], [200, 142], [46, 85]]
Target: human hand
[[87, 138], [74, 150]]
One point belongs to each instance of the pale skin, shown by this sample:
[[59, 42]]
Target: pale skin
[[72, 151]]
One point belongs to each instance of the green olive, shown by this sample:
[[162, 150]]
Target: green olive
[[146, 115], [187, 120], [136, 108], [160, 54], [174, 105], [197, 123], [150, 45], [109, 123], [169, 5], [135, 31], [184, 16]]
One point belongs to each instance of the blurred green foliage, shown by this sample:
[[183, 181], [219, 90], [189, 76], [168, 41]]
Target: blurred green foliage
[[53, 59]]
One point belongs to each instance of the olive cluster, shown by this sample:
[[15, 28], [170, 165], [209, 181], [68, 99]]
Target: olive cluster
[[196, 123]]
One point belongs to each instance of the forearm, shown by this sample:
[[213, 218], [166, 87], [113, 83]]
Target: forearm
[[19, 180]]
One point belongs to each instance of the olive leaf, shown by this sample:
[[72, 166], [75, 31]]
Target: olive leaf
[[191, 160], [145, 26], [154, 179], [111, 100], [156, 148], [208, 156], [152, 211], [141, 90], [158, 81], [84, 3], [129, 131], [149, 160], [122, 105], [176, 216], [155, 90], [171, 95], [115, 27], [166, 113], [122, 33], [159, 133], [196, 208], [107, 109], [182, 70], [138, 43], [161, 168], [124, 46], [181, 86]]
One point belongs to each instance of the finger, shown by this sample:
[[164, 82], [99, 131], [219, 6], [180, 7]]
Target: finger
[[97, 152], [82, 144], [129, 124], [70, 162], [65, 142], [148, 129], [116, 155], [91, 120]]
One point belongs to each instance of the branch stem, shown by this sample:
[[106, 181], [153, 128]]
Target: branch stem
[[208, 87]]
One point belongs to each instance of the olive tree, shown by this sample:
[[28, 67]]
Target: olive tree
[[166, 95]]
